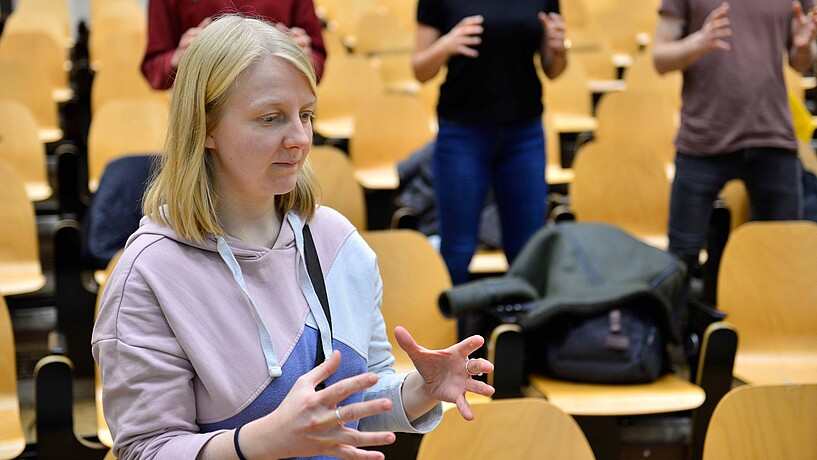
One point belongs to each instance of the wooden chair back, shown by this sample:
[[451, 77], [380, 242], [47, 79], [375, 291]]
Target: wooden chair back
[[41, 47], [348, 81], [766, 287], [338, 188], [36, 10], [122, 80], [623, 185], [758, 422], [20, 267], [124, 126], [638, 117], [28, 83], [523, 428], [387, 132], [414, 275], [12, 438], [21, 147]]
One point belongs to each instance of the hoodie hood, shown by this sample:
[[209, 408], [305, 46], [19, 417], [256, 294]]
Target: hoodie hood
[[231, 250]]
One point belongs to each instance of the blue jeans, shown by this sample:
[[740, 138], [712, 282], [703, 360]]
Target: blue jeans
[[773, 181], [468, 160]]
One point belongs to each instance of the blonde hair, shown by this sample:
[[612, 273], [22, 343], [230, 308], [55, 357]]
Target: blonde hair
[[183, 195]]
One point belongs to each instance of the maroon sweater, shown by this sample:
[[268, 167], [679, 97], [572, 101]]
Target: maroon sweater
[[169, 19]]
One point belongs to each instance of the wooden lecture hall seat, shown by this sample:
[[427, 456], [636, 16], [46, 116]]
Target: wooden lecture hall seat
[[496, 433], [764, 422], [12, 438], [623, 185], [21, 147], [766, 286], [339, 189], [20, 267]]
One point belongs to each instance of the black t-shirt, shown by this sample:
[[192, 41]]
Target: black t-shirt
[[500, 86]]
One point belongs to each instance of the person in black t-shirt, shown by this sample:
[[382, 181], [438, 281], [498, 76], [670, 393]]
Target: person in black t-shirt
[[490, 109]]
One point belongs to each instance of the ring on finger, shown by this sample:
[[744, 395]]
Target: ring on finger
[[338, 417], [469, 370]]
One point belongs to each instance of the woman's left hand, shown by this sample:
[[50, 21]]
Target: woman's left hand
[[444, 372]]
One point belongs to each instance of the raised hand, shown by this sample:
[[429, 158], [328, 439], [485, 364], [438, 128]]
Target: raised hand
[[298, 35], [716, 29], [447, 373], [308, 422], [463, 37], [186, 40], [555, 29], [803, 28]]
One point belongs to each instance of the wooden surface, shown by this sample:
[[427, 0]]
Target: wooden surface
[[387, 131], [669, 393], [21, 147], [520, 429], [766, 285], [27, 82], [12, 439], [623, 185], [338, 187], [121, 127], [764, 422], [20, 269], [414, 275]]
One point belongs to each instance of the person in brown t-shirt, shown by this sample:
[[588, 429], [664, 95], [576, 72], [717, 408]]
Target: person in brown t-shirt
[[735, 119]]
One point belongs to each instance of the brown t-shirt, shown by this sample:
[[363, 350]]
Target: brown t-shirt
[[737, 99]]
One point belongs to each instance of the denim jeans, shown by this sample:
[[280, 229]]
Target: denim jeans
[[468, 160], [773, 181]]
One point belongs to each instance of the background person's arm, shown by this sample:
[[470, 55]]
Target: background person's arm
[[672, 51], [432, 50]]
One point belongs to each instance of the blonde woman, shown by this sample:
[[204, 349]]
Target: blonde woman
[[212, 338]]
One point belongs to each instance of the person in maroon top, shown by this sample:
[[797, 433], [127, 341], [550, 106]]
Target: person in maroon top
[[173, 24]]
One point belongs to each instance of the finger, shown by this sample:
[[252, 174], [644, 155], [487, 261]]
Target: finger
[[471, 344], [341, 390], [464, 407], [471, 41], [480, 388], [205, 22], [797, 10], [322, 371], [468, 52], [357, 454], [472, 30], [404, 339], [476, 19], [543, 18], [367, 439], [364, 409], [480, 366]]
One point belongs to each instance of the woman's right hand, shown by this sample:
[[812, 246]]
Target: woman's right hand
[[464, 36], [306, 424]]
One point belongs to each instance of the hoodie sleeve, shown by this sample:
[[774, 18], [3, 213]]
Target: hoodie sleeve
[[147, 394], [390, 384]]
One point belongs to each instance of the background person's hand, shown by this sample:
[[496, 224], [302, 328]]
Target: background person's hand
[[186, 40], [463, 37], [803, 28], [444, 371], [555, 31], [716, 30], [298, 35], [306, 423]]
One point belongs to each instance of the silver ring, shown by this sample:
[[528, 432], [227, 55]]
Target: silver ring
[[338, 417], [469, 371]]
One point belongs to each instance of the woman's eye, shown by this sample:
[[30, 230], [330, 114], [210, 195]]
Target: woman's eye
[[307, 116], [269, 118]]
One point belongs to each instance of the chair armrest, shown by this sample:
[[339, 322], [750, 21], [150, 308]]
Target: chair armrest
[[506, 350]]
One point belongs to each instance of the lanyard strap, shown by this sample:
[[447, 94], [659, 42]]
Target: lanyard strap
[[313, 267]]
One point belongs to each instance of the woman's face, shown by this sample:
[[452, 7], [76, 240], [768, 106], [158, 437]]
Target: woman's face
[[264, 134]]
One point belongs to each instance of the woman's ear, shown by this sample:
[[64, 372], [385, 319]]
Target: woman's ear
[[210, 143]]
